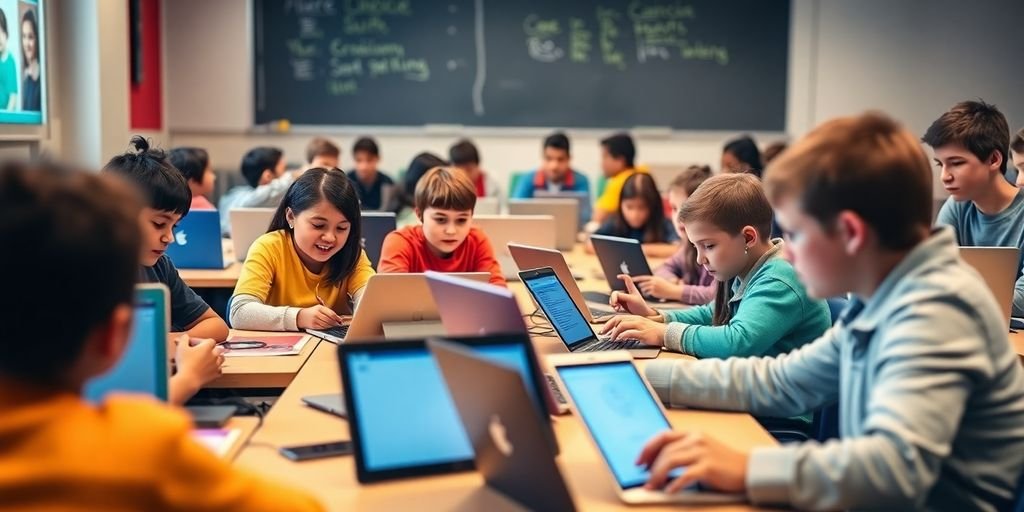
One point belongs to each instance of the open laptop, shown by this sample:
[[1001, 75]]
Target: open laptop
[[998, 267], [145, 366], [567, 320], [505, 427], [197, 242], [536, 230], [564, 211], [581, 197], [621, 413], [478, 309], [394, 306], [401, 416], [528, 258], [248, 224], [473, 308], [375, 226]]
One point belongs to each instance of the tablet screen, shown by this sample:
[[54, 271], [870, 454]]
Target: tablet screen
[[619, 412], [405, 414], [143, 366]]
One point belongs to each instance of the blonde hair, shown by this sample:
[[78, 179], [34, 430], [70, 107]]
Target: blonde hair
[[867, 164], [444, 188]]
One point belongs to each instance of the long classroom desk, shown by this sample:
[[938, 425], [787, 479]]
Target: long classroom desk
[[212, 278], [334, 480]]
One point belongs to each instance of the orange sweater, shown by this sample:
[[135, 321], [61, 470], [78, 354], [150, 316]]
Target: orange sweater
[[406, 250], [58, 452]]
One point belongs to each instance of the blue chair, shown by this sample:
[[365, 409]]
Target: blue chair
[[825, 423]]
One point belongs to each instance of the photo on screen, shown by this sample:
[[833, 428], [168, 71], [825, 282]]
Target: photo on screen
[[22, 62]]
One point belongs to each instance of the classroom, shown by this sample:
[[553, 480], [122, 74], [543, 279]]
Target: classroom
[[461, 255]]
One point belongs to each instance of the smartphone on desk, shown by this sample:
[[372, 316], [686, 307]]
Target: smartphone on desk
[[317, 451]]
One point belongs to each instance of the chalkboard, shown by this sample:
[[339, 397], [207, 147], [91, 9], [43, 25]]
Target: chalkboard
[[689, 65]]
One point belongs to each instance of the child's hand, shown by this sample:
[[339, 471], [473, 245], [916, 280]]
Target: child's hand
[[200, 363], [659, 287], [703, 458], [318, 317], [630, 301], [623, 328]]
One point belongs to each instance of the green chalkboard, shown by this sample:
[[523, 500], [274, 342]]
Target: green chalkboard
[[692, 65]]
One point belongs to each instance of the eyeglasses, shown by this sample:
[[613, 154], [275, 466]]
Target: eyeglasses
[[243, 345]]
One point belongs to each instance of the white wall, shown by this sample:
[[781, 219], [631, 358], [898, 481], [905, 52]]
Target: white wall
[[912, 59]]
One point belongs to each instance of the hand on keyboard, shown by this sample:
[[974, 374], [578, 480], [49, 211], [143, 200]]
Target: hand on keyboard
[[622, 328]]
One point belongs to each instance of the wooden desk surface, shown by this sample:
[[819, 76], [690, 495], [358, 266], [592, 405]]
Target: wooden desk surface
[[263, 372], [334, 480], [247, 426], [219, 278]]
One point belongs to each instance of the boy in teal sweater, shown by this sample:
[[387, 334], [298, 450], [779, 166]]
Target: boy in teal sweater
[[760, 308]]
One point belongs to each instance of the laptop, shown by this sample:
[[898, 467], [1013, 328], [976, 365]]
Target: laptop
[[998, 267], [529, 258], [564, 211], [567, 320], [145, 366], [474, 308], [581, 197], [618, 256], [535, 230], [621, 413], [197, 242], [375, 226], [505, 427], [394, 306], [248, 224], [391, 387]]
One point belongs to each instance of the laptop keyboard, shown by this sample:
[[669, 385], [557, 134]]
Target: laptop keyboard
[[338, 332], [598, 297], [608, 344], [555, 390]]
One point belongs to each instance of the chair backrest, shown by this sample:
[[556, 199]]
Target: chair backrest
[[836, 305]]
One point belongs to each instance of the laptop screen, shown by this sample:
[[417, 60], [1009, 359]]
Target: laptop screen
[[560, 309], [619, 412], [406, 417], [143, 366]]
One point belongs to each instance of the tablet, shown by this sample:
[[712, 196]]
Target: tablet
[[402, 418]]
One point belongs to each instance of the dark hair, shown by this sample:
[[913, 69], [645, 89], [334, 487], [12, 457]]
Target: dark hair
[[335, 187], [164, 188], [192, 162], [420, 164], [975, 125], [30, 18], [463, 152], [689, 180], [867, 164], [745, 150], [366, 144], [621, 146], [641, 185], [3, 23], [318, 146], [729, 202], [61, 229], [1017, 143], [257, 160], [557, 140], [771, 151]]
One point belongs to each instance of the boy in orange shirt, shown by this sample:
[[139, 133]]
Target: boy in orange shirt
[[446, 241], [59, 451]]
